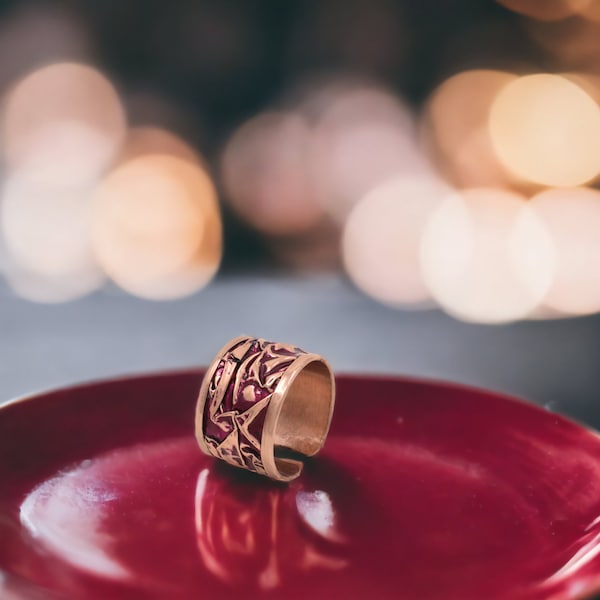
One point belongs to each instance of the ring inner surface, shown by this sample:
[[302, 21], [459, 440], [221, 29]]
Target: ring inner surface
[[304, 418]]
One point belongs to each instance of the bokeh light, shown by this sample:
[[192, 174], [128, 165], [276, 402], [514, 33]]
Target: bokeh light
[[363, 136], [486, 257], [591, 11], [547, 10], [64, 121], [46, 234], [456, 128], [38, 287], [149, 139], [546, 129], [47, 227], [588, 82], [382, 237], [572, 218], [157, 228], [265, 170]]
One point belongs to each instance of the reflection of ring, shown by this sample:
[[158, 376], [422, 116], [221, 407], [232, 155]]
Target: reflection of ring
[[261, 404]]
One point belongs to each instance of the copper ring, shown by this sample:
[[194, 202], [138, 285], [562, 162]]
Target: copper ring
[[263, 406]]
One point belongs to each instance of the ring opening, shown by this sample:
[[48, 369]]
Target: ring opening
[[305, 417]]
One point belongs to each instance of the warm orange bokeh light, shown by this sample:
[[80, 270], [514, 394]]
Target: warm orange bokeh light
[[382, 237], [64, 121], [456, 127], [547, 10], [589, 83], [145, 140], [157, 228], [591, 11], [546, 129], [266, 174], [572, 217], [486, 257]]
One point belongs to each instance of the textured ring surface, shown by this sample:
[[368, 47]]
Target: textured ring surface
[[264, 405]]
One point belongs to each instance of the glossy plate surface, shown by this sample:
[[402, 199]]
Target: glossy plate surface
[[422, 491]]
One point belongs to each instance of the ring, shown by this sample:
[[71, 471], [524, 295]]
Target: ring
[[263, 406]]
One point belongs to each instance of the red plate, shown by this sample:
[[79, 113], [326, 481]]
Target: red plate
[[422, 491]]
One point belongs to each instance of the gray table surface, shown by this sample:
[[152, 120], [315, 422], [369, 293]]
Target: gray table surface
[[553, 363]]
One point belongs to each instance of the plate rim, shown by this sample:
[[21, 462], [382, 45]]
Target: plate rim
[[346, 375]]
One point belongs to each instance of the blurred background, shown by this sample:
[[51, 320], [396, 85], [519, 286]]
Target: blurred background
[[407, 188]]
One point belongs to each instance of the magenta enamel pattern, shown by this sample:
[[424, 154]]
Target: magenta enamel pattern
[[238, 398]]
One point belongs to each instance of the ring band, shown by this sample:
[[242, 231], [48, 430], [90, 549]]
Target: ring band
[[264, 405]]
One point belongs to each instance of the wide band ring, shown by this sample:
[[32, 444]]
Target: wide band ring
[[263, 406]]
